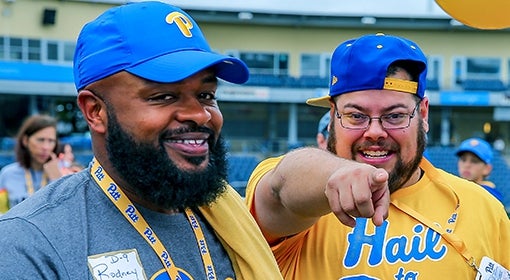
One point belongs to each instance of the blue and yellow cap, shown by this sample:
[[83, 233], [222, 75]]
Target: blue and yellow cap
[[361, 64], [152, 40]]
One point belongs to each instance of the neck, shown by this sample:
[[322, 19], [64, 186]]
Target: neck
[[416, 177], [36, 166]]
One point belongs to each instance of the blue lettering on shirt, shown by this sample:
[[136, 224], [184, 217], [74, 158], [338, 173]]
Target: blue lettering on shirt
[[425, 243]]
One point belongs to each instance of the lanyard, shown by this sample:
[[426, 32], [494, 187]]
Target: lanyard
[[129, 211], [447, 233], [30, 183]]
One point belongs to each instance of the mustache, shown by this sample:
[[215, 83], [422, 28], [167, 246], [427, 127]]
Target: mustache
[[384, 145]]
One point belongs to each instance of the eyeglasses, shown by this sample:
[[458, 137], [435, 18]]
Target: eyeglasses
[[359, 121]]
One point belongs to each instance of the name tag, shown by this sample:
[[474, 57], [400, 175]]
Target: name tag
[[117, 265], [490, 269]]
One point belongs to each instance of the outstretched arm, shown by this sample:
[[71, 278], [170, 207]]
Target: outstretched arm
[[309, 183]]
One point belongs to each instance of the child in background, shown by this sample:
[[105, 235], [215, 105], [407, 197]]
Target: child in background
[[475, 163]]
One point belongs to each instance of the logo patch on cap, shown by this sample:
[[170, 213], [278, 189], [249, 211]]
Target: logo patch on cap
[[183, 22], [334, 79]]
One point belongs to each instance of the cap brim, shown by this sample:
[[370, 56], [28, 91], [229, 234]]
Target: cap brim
[[319, 101], [176, 66], [474, 152]]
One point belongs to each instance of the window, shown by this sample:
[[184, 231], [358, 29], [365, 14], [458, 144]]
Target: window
[[15, 48], [52, 51], [69, 48], [315, 64], [477, 68], [264, 62], [34, 50], [483, 68], [26, 49], [2, 48], [478, 73], [434, 72]]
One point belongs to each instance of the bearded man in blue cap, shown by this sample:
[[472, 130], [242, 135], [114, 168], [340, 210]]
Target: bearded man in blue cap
[[154, 202], [438, 225]]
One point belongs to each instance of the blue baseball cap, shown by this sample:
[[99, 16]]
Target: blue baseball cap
[[152, 40], [323, 123], [477, 146], [361, 64]]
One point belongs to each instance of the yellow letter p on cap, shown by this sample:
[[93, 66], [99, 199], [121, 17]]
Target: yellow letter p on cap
[[481, 14]]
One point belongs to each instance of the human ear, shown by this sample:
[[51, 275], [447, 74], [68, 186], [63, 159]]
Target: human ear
[[93, 110]]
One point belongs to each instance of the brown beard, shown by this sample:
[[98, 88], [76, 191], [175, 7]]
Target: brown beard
[[402, 172]]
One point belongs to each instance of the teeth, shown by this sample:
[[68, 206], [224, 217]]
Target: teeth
[[189, 141], [375, 153]]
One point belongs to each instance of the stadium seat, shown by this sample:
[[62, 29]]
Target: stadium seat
[[445, 158], [483, 84], [239, 170], [432, 84]]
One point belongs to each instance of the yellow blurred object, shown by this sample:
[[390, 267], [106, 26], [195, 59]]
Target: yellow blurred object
[[4, 201], [481, 14]]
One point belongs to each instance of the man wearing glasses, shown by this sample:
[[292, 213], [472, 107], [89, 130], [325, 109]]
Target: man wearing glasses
[[437, 226]]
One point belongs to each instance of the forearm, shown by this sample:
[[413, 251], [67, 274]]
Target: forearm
[[300, 181], [291, 197], [309, 183]]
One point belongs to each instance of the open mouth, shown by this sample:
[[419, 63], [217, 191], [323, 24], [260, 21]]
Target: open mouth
[[196, 142], [375, 154]]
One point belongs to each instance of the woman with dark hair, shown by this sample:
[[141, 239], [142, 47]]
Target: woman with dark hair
[[66, 161], [36, 162]]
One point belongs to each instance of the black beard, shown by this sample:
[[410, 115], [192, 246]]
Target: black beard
[[402, 171], [154, 177]]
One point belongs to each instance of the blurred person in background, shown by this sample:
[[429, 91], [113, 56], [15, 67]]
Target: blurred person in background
[[322, 131], [67, 163], [36, 161], [474, 163]]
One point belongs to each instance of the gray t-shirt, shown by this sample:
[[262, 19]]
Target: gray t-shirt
[[71, 230], [12, 179]]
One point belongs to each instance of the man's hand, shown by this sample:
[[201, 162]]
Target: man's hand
[[359, 191]]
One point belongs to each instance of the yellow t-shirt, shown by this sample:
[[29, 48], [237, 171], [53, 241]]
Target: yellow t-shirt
[[403, 247]]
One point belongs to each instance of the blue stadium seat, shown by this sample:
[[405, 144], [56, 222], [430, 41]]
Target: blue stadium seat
[[445, 158], [483, 84], [265, 80], [7, 144], [239, 170], [432, 84], [313, 82], [6, 159], [288, 81]]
